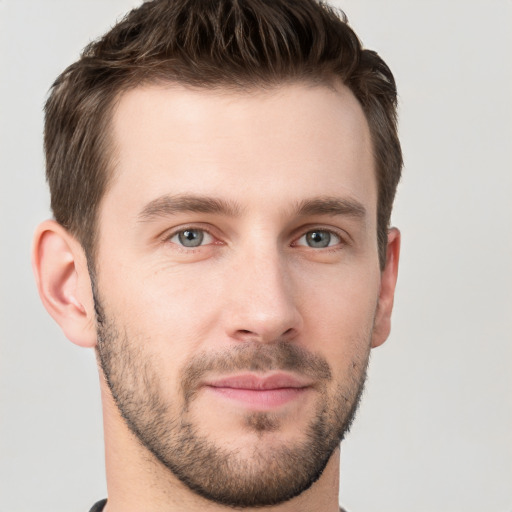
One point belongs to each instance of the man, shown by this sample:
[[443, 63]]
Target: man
[[222, 175]]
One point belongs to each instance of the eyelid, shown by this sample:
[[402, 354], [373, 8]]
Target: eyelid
[[171, 233], [340, 234], [343, 236]]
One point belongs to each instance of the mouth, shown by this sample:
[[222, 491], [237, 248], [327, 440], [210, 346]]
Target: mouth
[[260, 392]]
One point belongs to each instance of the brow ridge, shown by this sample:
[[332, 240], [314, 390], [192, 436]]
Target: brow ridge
[[167, 205], [329, 205]]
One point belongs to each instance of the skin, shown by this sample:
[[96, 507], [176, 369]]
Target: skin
[[254, 280]]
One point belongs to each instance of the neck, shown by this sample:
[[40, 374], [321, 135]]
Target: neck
[[136, 480]]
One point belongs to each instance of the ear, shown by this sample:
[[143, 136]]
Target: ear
[[62, 277], [382, 325]]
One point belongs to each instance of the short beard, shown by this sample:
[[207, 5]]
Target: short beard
[[272, 474]]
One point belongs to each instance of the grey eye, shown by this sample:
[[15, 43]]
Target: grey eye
[[319, 239], [189, 237]]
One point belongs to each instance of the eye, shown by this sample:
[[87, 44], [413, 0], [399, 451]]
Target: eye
[[191, 238], [319, 239]]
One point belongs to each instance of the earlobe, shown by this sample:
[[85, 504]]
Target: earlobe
[[389, 276], [62, 277]]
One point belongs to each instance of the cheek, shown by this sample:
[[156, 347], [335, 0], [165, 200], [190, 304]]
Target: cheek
[[339, 310], [170, 310]]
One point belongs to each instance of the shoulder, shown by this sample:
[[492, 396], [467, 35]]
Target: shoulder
[[98, 507]]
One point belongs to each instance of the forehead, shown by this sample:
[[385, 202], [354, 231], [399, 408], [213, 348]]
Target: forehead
[[259, 146]]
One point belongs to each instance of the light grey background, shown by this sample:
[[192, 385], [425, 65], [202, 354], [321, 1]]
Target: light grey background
[[434, 432]]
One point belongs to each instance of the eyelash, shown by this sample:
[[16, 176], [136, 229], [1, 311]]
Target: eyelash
[[169, 236], [331, 248], [342, 240]]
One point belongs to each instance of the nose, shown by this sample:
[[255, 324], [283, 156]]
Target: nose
[[263, 304]]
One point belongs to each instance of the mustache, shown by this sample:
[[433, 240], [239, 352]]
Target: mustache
[[254, 357]]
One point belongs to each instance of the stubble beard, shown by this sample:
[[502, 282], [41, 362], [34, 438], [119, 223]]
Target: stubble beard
[[270, 474]]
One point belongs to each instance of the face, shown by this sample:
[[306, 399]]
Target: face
[[237, 281]]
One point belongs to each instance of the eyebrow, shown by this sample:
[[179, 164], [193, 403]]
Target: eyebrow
[[167, 205], [331, 206]]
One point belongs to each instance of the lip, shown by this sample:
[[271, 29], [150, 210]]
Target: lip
[[260, 392]]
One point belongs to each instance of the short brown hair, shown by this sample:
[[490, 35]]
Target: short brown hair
[[208, 43]]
